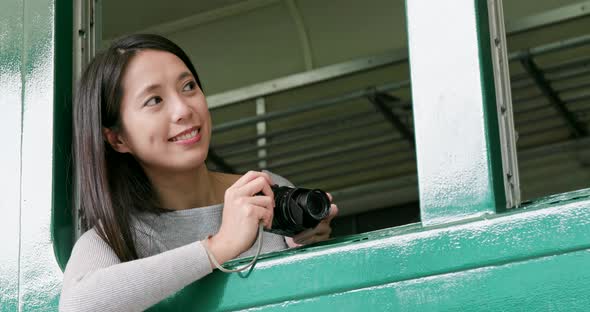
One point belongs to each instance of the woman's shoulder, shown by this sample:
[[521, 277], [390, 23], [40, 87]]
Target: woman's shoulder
[[92, 244], [90, 238]]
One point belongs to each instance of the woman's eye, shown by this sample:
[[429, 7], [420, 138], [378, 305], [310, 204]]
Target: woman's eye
[[189, 86], [153, 101]]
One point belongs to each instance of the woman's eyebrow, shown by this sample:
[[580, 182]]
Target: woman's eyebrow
[[184, 75], [147, 90]]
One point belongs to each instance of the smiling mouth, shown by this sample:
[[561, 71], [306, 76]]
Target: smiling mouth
[[185, 135]]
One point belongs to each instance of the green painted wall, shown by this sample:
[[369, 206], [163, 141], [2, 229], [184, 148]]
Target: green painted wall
[[30, 275], [487, 263], [11, 47], [531, 259]]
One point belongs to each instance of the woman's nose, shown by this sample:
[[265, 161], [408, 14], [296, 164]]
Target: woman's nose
[[181, 109]]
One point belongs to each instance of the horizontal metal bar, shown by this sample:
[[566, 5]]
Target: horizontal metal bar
[[532, 109], [542, 130], [520, 81], [548, 18], [342, 162], [306, 78], [551, 47], [568, 101], [571, 101], [522, 84], [541, 163], [569, 145], [349, 183], [321, 124], [553, 141], [536, 97], [311, 106], [376, 187], [577, 98], [357, 170], [575, 87], [329, 153], [546, 104], [577, 129], [528, 98], [569, 74], [554, 77], [569, 64], [583, 111], [323, 130], [316, 146], [537, 120]]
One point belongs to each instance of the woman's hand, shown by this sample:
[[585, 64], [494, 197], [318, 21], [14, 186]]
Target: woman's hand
[[320, 233], [242, 214]]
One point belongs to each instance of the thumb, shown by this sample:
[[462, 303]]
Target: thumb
[[333, 213]]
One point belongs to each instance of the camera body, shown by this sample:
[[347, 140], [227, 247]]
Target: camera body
[[298, 209]]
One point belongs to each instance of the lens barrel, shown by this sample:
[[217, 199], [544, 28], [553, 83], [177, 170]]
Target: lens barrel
[[298, 209]]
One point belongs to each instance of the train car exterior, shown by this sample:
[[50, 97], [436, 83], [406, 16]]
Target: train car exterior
[[468, 253]]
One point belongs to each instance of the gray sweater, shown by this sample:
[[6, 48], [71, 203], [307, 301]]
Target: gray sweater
[[171, 257]]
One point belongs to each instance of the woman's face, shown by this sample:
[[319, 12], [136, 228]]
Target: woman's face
[[165, 120]]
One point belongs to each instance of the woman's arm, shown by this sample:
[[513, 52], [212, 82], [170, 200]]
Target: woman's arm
[[95, 279]]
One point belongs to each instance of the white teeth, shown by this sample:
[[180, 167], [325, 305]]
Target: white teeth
[[187, 136]]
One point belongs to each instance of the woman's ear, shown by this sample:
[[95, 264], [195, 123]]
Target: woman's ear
[[115, 140]]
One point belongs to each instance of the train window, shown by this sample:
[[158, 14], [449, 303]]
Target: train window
[[548, 51], [324, 102]]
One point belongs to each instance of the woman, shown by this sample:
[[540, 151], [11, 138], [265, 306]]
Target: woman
[[142, 132]]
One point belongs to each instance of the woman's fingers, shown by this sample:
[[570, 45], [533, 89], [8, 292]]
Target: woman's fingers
[[262, 201], [249, 176], [333, 213], [321, 232], [265, 202], [255, 186], [261, 213]]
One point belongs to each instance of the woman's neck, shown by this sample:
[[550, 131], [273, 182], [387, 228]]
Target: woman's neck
[[189, 189]]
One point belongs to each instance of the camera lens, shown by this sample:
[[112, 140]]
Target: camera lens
[[298, 209], [317, 203]]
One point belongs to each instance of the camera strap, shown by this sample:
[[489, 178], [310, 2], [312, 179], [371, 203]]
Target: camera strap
[[221, 268]]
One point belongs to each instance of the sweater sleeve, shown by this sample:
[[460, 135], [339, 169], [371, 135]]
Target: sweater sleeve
[[96, 280]]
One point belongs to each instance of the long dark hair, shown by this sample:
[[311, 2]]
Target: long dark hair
[[111, 185]]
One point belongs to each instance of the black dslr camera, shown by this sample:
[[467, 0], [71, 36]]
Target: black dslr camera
[[298, 209]]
